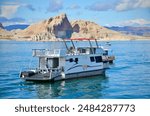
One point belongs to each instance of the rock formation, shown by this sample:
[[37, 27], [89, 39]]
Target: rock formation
[[87, 29], [60, 26], [57, 27]]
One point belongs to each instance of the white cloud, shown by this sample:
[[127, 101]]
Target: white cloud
[[28, 6], [99, 6], [74, 6], [55, 5], [135, 22], [132, 4], [119, 5], [8, 10], [15, 23]]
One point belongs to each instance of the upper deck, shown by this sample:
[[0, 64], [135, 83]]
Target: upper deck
[[70, 51], [48, 53]]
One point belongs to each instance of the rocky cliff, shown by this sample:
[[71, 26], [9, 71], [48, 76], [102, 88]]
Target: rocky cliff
[[57, 27]]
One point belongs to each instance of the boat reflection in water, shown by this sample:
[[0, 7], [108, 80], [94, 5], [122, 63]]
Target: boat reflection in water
[[89, 87]]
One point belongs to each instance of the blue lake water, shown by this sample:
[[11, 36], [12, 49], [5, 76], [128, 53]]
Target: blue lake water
[[128, 77]]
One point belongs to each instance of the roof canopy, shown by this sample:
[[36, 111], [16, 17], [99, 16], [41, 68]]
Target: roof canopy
[[83, 39]]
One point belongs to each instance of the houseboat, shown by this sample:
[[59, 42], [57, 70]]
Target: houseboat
[[72, 62]]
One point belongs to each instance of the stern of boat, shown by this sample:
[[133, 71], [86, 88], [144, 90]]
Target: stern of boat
[[40, 75]]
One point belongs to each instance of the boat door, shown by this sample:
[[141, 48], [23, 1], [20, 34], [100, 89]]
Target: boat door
[[55, 62], [52, 62]]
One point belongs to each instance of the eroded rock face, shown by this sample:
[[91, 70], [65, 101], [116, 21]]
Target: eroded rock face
[[76, 28], [57, 27], [90, 30], [60, 26], [45, 36]]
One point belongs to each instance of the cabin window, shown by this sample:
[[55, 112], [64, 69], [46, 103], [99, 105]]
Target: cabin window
[[70, 60], [76, 60], [98, 59], [92, 59], [106, 52], [83, 50]]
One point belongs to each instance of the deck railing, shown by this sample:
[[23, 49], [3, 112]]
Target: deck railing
[[46, 52]]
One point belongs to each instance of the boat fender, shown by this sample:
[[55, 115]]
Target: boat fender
[[63, 75]]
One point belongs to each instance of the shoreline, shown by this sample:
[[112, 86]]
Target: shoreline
[[75, 40]]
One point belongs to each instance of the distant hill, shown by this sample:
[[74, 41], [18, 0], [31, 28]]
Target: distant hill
[[140, 31], [1, 26], [18, 26], [4, 34]]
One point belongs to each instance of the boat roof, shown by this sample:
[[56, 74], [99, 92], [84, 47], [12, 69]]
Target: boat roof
[[81, 39], [89, 47]]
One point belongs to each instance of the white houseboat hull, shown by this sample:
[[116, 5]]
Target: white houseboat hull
[[59, 76]]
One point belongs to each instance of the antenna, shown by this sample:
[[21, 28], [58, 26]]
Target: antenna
[[91, 46], [73, 44], [96, 43], [65, 44]]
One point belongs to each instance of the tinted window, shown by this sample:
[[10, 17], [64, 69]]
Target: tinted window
[[71, 60], [92, 59], [76, 60], [98, 59], [106, 52]]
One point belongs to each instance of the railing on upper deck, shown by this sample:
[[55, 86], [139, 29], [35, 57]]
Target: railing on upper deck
[[46, 52]]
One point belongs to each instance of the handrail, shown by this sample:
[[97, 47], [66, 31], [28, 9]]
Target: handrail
[[46, 52], [82, 39]]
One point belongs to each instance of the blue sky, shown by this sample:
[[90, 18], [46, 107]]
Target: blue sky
[[102, 12]]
